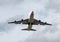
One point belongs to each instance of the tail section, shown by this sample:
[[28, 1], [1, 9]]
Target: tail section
[[29, 28]]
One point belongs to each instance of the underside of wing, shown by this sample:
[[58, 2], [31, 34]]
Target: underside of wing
[[16, 22], [36, 22], [26, 21], [20, 21]]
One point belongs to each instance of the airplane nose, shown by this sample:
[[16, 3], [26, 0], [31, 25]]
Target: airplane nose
[[32, 13]]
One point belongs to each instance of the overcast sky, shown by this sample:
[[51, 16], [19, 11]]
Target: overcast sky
[[44, 10]]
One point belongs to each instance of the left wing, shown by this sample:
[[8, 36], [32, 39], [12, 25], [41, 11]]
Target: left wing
[[20, 21]]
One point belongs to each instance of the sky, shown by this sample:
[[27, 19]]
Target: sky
[[44, 10]]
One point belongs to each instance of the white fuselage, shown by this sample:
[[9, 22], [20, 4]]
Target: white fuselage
[[31, 18]]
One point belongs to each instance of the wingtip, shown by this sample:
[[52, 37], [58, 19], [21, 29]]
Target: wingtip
[[50, 24], [10, 22]]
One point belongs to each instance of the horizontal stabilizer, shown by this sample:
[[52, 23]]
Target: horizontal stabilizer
[[29, 29]]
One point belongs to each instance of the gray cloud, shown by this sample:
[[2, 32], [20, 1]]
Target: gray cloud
[[5, 27], [43, 11], [10, 2], [54, 5]]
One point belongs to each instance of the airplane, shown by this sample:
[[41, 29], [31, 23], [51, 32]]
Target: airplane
[[31, 21]]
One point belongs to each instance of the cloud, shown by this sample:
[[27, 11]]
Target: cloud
[[9, 2], [44, 10], [54, 4]]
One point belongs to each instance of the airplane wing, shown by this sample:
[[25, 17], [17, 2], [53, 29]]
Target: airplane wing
[[20, 21], [26, 21], [36, 22]]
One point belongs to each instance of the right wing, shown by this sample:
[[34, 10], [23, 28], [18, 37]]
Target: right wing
[[36, 22]]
